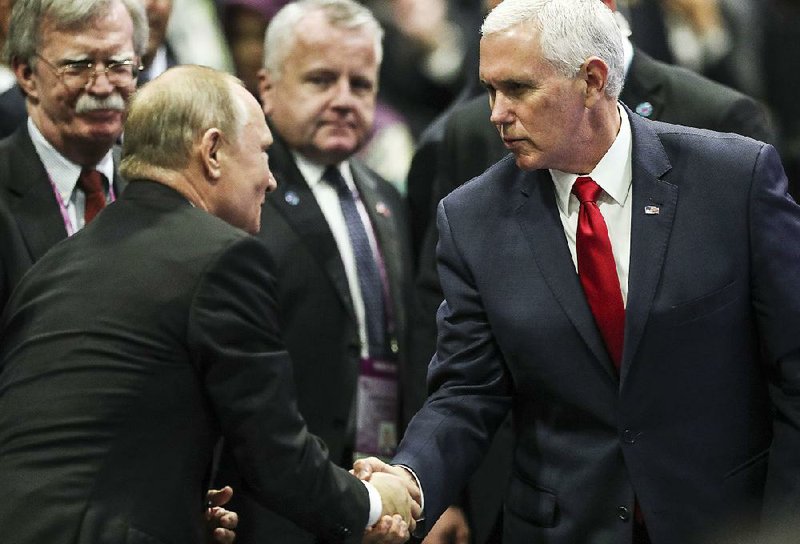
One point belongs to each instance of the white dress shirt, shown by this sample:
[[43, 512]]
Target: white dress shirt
[[64, 175]]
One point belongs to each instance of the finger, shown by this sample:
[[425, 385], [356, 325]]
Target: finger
[[219, 497], [227, 519], [223, 536], [399, 530], [416, 511], [366, 466]]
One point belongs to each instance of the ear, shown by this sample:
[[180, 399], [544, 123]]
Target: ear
[[266, 88], [209, 151], [24, 74], [595, 73]]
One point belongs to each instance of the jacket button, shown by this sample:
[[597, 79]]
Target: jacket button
[[623, 513], [628, 436]]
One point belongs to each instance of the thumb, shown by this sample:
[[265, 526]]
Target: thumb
[[219, 497]]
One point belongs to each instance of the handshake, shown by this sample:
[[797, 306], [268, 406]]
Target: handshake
[[400, 496]]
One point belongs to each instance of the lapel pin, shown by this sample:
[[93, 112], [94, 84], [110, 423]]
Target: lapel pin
[[652, 210], [645, 109], [383, 209], [291, 198]]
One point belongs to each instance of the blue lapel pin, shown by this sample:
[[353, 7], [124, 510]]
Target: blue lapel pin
[[645, 109], [291, 198], [652, 210]]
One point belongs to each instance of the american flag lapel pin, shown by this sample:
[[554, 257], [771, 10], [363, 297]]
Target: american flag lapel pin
[[652, 210], [383, 209]]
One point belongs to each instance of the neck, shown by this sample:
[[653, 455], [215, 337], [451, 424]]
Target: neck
[[603, 124], [181, 181]]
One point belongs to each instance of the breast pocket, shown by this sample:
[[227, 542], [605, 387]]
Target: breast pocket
[[698, 308]]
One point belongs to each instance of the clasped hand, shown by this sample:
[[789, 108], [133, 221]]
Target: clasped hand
[[400, 496]]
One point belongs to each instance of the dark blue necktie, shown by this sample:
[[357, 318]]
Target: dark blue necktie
[[369, 278]]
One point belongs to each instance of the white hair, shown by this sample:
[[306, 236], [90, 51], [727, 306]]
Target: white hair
[[570, 31], [284, 28]]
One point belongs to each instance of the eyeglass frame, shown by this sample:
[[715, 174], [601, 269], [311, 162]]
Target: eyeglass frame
[[93, 73]]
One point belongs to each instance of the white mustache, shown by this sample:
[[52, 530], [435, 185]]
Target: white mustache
[[88, 103]]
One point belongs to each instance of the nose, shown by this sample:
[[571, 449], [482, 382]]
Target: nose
[[342, 94], [501, 112], [99, 83], [272, 183]]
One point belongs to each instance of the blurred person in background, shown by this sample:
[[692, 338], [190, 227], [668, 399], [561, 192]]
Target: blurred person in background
[[196, 36]]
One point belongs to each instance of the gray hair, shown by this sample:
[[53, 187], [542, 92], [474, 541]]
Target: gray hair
[[24, 36], [170, 114], [284, 27], [570, 31]]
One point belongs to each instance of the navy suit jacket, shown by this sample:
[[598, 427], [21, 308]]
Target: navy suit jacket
[[700, 426]]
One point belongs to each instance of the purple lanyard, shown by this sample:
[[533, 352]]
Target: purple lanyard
[[63, 206]]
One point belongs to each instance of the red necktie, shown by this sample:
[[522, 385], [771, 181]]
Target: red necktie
[[91, 182], [597, 270]]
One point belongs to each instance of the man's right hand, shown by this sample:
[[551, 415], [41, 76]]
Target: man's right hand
[[367, 467], [396, 497]]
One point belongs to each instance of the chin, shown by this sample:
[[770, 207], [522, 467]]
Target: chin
[[103, 132]]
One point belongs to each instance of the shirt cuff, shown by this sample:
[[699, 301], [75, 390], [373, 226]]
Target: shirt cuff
[[419, 486], [375, 504]]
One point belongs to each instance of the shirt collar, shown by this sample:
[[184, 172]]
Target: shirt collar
[[613, 173], [63, 172], [313, 171]]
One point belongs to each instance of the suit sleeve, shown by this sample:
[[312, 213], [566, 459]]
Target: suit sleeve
[[237, 346], [749, 118], [468, 383], [775, 255]]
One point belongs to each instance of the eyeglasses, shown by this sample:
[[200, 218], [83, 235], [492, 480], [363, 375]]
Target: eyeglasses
[[78, 75]]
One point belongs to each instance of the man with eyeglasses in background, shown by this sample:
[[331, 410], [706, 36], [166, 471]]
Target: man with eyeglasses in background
[[77, 62]]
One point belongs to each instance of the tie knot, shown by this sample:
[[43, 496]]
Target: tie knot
[[586, 189], [91, 181], [334, 177]]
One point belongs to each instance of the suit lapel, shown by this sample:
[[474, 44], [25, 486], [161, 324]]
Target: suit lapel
[[649, 231], [31, 198], [540, 222], [294, 200]]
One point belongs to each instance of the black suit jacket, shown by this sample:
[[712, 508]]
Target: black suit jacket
[[317, 317], [470, 144], [30, 217], [126, 351], [699, 425], [12, 110]]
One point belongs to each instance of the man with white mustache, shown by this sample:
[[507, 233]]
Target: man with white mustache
[[77, 63]]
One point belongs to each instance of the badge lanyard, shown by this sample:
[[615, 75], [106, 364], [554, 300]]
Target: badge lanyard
[[63, 207]]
